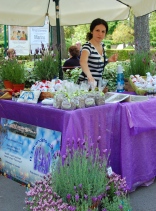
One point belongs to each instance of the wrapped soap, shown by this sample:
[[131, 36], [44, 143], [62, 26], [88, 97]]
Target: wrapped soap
[[89, 102], [57, 102], [68, 104], [99, 98], [80, 101]]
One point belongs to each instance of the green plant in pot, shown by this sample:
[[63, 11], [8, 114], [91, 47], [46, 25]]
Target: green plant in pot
[[18, 74], [139, 63], [47, 68], [6, 73]]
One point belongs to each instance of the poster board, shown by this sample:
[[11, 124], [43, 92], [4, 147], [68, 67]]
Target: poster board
[[24, 40], [27, 151], [19, 39], [38, 36]]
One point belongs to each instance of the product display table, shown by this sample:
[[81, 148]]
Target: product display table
[[127, 130], [88, 123], [138, 142]]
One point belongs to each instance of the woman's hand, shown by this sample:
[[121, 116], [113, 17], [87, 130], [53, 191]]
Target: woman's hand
[[90, 79], [113, 58]]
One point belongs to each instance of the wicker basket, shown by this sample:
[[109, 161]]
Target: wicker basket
[[45, 95], [127, 86], [138, 91]]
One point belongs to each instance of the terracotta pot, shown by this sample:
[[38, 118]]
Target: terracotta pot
[[18, 86], [8, 84]]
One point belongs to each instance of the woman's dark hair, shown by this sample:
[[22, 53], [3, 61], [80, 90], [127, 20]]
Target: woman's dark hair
[[74, 51], [94, 23]]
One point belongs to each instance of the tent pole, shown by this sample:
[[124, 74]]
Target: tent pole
[[58, 36], [5, 40], [51, 35]]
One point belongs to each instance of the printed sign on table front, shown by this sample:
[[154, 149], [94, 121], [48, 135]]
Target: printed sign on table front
[[27, 151]]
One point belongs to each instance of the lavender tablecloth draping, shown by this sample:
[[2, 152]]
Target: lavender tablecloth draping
[[141, 116], [127, 129], [138, 142], [88, 123]]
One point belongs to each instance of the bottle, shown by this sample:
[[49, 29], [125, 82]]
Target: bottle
[[120, 79]]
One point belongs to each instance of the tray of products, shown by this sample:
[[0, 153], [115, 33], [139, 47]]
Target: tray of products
[[111, 97]]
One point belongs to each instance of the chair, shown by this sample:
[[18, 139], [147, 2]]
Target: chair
[[70, 68]]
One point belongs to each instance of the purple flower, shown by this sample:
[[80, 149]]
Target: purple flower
[[78, 141], [117, 193], [120, 207], [87, 155], [75, 188], [80, 186], [104, 151], [70, 208], [85, 197], [107, 187], [42, 45], [68, 196], [83, 143], [76, 197], [94, 199], [37, 50], [99, 197], [64, 157]]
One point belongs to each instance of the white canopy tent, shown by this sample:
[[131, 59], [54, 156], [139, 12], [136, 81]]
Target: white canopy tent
[[71, 12]]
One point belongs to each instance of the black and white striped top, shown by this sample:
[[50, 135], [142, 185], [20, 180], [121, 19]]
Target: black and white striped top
[[96, 62]]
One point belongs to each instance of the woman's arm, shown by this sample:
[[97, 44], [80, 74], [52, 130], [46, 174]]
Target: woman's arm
[[84, 65]]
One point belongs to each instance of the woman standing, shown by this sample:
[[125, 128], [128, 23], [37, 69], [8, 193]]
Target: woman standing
[[93, 58]]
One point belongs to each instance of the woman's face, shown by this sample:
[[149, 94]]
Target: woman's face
[[99, 33]]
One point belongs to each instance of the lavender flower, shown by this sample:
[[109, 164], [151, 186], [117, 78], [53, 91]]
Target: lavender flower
[[80, 186], [77, 197], [120, 207], [85, 197], [68, 196]]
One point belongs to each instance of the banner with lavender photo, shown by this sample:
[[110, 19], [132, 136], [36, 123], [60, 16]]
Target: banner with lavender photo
[[27, 151]]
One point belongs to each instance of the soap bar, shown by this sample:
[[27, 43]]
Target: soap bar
[[48, 101]]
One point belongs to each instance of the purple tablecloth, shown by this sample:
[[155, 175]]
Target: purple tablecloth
[[138, 142], [88, 123], [128, 131]]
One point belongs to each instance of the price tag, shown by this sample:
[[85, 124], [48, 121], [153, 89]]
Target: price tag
[[109, 171]]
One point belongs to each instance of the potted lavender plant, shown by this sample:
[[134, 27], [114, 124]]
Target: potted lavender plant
[[47, 68], [79, 181]]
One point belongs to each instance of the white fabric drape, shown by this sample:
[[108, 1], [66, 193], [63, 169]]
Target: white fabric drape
[[72, 12]]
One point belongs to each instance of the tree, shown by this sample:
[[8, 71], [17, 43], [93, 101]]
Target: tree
[[141, 33], [123, 33], [152, 27], [112, 26], [69, 31]]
